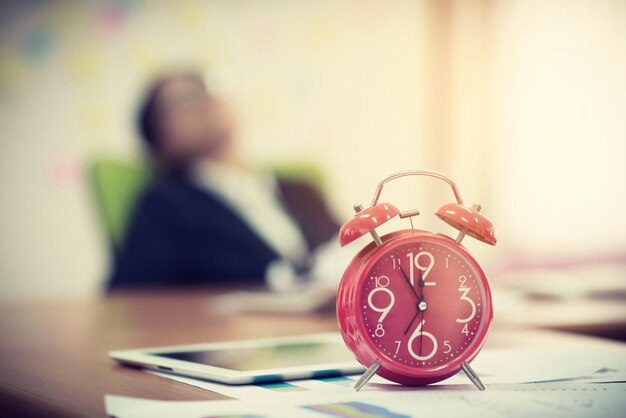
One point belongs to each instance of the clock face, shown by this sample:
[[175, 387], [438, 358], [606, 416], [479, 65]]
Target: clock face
[[422, 304]]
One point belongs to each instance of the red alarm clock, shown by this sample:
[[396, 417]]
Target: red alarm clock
[[414, 306]]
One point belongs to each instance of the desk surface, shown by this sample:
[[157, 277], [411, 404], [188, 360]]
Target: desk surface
[[53, 355]]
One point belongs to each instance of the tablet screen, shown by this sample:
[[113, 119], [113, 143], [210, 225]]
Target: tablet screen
[[286, 354]]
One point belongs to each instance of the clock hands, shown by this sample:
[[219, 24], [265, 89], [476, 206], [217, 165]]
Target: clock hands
[[421, 305], [422, 333], [420, 284], [408, 281], [412, 320], [419, 298]]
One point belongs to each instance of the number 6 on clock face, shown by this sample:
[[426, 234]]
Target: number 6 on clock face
[[420, 333]]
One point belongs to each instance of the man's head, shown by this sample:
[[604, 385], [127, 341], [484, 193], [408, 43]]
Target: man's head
[[181, 122]]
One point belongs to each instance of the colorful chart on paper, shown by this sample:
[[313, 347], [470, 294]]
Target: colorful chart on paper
[[354, 410]]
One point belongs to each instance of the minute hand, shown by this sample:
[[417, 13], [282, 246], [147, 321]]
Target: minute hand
[[419, 305], [408, 281]]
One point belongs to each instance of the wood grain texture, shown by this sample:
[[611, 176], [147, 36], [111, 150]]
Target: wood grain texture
[[53, 355]]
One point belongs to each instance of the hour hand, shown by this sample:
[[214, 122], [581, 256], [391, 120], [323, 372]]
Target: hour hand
[[420, 285]]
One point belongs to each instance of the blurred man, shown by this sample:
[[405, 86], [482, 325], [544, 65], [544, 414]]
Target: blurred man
[[208, 217]]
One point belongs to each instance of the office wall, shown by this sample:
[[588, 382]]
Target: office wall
[[559, 124], [522, 103], [334, 82], [529, 115]]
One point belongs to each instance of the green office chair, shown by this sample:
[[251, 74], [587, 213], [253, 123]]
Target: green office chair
[[298, 170], [116, 184]]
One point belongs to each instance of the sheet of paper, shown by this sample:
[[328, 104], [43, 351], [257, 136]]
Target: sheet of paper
[[524, 365], [604, 375], [512, 401], [328, 385], [506, 366]]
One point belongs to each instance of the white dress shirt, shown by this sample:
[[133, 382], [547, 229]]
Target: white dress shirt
[[255, 198]]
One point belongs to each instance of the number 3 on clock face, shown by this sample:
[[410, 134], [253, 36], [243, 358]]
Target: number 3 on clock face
[[422, 304]]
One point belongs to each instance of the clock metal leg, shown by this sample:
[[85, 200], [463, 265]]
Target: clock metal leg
[[472, 376], [367, 376]]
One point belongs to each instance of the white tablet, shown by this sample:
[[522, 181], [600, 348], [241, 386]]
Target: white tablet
[[250, 361]]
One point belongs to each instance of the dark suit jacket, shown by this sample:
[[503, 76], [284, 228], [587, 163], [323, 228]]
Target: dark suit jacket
[[184, 234]]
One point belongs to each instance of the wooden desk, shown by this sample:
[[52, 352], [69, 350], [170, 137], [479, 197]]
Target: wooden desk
[[53, 355]]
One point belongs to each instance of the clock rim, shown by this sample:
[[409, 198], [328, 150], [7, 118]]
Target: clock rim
[[353, 329]]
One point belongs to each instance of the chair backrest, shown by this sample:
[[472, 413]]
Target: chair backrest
[[116, 184], [298, 170]]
